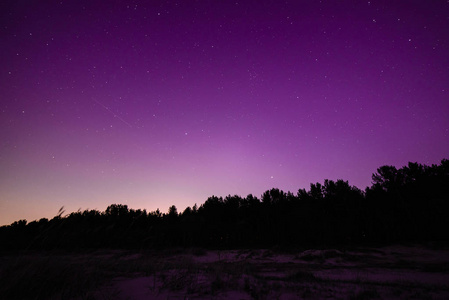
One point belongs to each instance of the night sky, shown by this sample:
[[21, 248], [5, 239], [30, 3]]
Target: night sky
[[154, 103]]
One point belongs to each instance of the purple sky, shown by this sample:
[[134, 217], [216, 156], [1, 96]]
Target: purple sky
[[168, 102]]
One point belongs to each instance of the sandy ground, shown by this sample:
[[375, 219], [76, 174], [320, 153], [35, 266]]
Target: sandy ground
[[395, 272], [363, 273]]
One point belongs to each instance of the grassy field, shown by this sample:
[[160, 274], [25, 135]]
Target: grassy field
[[358, 273]]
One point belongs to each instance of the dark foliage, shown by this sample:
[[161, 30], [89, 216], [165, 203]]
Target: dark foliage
[[410, 204]]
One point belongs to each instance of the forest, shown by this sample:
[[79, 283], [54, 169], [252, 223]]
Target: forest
[[410, 204]]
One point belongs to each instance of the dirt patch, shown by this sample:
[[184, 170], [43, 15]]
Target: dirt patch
[[366, 273]]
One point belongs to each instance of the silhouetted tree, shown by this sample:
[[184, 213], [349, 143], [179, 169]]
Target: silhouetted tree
[[172, 211], [406, 204]]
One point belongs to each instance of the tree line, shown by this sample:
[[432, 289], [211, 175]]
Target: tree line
[[410, 204]]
